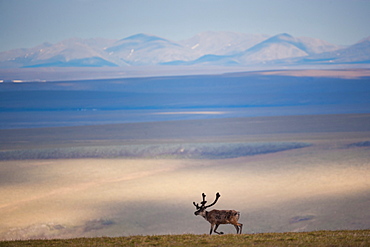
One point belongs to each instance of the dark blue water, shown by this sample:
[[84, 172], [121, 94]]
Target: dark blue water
[[71, 103]]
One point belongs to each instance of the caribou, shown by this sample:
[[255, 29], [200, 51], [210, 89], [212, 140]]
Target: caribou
[[218, 217]]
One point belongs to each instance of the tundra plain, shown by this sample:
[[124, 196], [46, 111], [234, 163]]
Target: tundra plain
[[312, 172]]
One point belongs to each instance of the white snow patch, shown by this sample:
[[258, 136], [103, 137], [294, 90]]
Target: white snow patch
[[195, 46], [131, 52]]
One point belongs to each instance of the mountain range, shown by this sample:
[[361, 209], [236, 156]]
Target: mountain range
[[207, 48]]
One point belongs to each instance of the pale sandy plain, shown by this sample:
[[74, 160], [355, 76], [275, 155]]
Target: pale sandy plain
[[322, 186]]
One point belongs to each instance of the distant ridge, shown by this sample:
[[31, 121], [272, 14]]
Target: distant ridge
[[207, 48]]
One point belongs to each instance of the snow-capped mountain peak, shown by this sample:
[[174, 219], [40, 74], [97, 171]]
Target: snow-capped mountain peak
[[217, 48], [141, 38]]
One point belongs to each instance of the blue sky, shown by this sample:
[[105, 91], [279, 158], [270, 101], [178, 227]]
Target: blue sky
[[27, 23]]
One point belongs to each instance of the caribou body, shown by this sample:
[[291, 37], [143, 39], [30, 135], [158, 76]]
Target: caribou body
[[218, 217]]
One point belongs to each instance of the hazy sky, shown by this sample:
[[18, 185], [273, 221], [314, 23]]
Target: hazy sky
[[27, 23]]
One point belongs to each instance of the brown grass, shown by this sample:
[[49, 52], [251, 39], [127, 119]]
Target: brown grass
[[317, 239]]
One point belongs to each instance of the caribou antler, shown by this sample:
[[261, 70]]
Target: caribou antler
[[217, 196], [204, 200]]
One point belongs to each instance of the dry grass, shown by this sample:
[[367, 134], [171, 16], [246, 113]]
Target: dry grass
[[319, 238]]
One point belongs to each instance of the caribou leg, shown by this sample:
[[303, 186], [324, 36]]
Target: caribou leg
[[240, 227], [237, 228], [210, 233], [216, 230]]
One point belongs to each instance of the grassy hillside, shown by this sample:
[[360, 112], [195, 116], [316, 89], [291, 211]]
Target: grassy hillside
[[318, 238]]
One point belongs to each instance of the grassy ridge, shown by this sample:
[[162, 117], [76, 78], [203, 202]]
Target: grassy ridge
[[318, 238], [177, 151]]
